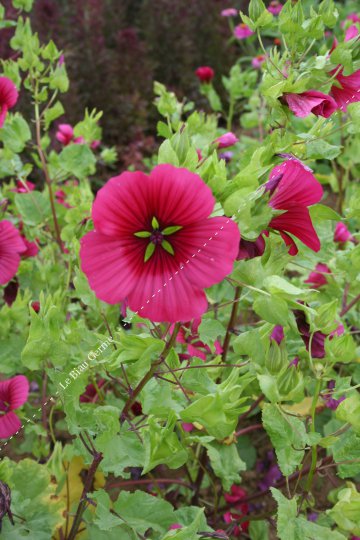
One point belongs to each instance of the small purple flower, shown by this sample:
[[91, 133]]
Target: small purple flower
[[227, 156], [312, 516], [330, 401], [295, 362], [230, 12]]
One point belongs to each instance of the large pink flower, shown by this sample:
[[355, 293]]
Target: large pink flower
[[11, 247], [309, 102], [155, 245], [347, 87], [13, 393], [8, 97], [293, 188]]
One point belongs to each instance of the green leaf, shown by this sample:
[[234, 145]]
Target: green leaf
[[77, 160], [349, 411], [34, 207], [167, 154], [279, 285], [259, 530], [26, 5], [15, 133], [53, 113], [288, 436], [59, 80], [273, 309], [210, 330], [346, 512], [347, 448], [226, 463]]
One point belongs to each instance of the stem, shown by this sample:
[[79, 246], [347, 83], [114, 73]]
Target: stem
[[200, 476], [312, 429], [248, 429], [231, 324], [97, 457], [350, 305], [43, 397], [149, 375], [46, 174], [145, 481], [231, 114]]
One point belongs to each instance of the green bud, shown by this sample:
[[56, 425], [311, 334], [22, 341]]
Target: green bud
[[276, 358]]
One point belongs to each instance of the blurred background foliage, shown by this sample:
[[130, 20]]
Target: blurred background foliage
[[115, 49]]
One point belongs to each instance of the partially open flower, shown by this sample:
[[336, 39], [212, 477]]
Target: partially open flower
[[13, 393], [342, 234], [229, 12], [309, 102], [205, 74], [317, 278], [275, 7], [226, 140]]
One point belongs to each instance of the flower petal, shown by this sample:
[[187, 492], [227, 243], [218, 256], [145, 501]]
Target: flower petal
[[297, 221], [297, 186], [9, 425], [19, 391]]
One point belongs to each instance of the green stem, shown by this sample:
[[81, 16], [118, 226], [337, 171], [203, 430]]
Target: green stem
[[231, 114], [231, 324], [312, 429]]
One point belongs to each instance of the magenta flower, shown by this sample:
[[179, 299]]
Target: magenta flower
[[354, 17], [258, 61], [351, 32], [318, 338], [250, 250], [187, 426], [11, 248], [13, 393], [242, 31], [342, 234], [175, 526], [11, 291], [65, 135], [293, 188], [230, 12], [60, 197], [226, 140], [275, 7], [347, 87], [310, 102], [21, 188], [32, 248], [95, 145], [277, 334], [189, 335], [155, 245], [205, 74], [317, 278], [8, 97]]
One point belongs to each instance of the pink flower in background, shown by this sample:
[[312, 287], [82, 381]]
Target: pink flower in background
[[242, 31], [354, 17], [351, 32], [187, 426], [32, 248], [293, 188], [235, 498], [258, 61], [95, 145], [65, 135], [229, 12], [275, 7], [347, 87], [36, 306], [226, 140], [310, 102], [60, 197], [330, 401], [205, 74], [10, 291], [155, 245], [175, 526], [317, 278], [317, 338], [11, 248], [249, 249], [21, 188], [8, 97], [342, 234], [189, 334], [277, 334], [13, 393]]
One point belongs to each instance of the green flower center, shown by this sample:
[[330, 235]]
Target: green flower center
[[156, 238]]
